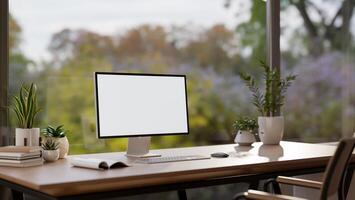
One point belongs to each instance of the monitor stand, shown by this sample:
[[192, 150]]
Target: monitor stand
[[138, 147]]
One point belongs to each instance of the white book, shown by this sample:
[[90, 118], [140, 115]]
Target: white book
[[20, 149], [20, 161], [26, 164], [19, 155], [95, 163]]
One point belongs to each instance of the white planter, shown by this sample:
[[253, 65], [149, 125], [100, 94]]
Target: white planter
[[50, 155], [63, 145], [32, 136], [271, 129], [244, 138]]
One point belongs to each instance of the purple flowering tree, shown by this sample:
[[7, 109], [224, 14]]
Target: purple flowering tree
[[321, 102]]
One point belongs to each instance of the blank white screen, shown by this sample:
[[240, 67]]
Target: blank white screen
[[130, 105]]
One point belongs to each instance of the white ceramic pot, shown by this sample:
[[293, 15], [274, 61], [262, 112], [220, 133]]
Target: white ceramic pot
[[271, 129], [50, 155], [63, 145], [244, 138], [32, 136]]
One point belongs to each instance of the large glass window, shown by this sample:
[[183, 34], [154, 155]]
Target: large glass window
[[317, 44], [59, 44]]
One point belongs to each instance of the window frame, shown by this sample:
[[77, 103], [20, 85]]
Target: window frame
[[4, 68]]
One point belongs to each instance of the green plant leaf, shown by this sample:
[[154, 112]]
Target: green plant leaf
[[20, 118], [55, 131], [22, 99], [50, 144], [25, 106], [59, 128], [257, 96], [273, 99], [246, 124], [30, 113], [18, 104]]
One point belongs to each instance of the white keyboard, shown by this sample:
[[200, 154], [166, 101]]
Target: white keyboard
[[171, 159]]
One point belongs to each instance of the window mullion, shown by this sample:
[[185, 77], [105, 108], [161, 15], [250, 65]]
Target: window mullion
[[4, 68], [273, 35]]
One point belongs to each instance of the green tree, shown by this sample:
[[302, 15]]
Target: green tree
[[18, 61], [325, 29], [77, 53], [213, 48]]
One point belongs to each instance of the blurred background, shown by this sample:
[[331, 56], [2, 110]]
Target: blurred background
[[59, 44]]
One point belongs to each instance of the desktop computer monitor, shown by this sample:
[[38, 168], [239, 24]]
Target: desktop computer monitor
[[139, 106]]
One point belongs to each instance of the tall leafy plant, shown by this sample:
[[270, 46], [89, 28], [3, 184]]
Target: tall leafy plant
[[25, 106], [269, 101]]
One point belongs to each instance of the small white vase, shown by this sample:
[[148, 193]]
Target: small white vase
[[271, 129], [50, 155], [244, 138], [63, 145], [31, 135]]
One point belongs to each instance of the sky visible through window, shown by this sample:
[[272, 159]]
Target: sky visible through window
[[40, 19]]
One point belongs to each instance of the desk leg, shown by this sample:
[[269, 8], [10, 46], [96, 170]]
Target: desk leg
[[182, 194], [17, 195]]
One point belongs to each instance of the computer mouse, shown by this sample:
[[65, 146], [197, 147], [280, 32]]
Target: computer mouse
[[219, 155]]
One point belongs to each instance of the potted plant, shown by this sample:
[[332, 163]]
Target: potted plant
[[50, 150], [269, 102], [58, 134], [246, 128], [26, 109]]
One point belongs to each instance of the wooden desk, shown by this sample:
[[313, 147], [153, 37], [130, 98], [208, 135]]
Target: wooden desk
[[60, 179]]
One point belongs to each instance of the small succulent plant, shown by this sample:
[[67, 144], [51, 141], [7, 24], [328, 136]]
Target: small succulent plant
[[50, 144], [245, 124], [51, 131]]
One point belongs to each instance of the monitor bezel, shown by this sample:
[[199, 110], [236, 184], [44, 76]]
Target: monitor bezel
[[137, 135]]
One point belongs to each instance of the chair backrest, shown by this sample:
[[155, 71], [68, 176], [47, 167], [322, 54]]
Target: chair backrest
[[336, 169]]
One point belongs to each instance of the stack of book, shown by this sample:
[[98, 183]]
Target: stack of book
[[20, 156]]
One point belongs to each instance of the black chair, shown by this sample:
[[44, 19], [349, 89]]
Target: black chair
[[333, 180]]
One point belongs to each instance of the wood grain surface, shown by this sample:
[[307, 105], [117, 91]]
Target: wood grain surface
[[60, 178]]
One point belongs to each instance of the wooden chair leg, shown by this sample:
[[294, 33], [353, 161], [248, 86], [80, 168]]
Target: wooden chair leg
[[267, 185], [16, 195], [272, 186], [276, 187], [182, 194]]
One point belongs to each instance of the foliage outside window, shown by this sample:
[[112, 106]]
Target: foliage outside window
[[211, 57]]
